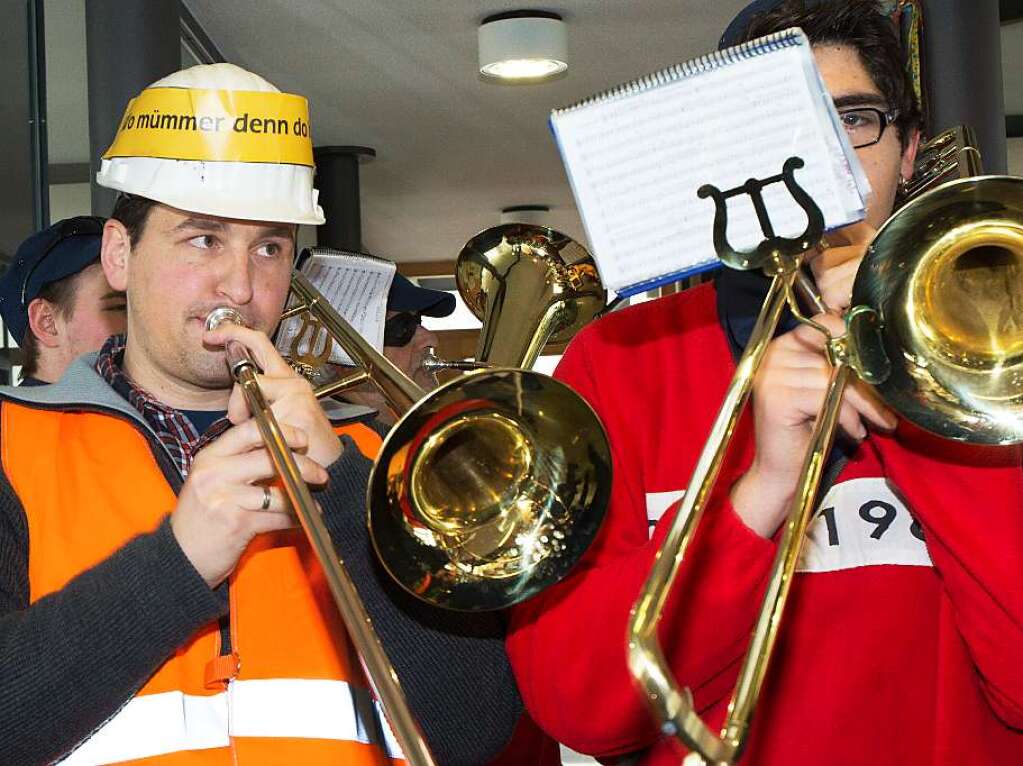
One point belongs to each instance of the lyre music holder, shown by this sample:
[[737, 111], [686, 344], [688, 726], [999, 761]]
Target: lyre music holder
[[772, 248]]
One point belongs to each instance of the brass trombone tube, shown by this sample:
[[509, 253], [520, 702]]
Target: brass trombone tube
[[342, 384], [670, 704], [399, 391], [374, 660], [505, 413], [808, 293], [735, 730], [673, 705]]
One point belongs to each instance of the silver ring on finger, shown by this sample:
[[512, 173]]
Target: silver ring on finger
[[266, 499]]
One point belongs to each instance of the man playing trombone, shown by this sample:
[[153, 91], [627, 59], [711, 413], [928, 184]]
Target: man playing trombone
[[157, 603], [905, 623]]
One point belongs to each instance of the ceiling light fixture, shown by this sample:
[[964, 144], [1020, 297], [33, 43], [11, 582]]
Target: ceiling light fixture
[[523, 46]]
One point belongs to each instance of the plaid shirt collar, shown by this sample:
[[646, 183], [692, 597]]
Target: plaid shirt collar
[[175, 431]]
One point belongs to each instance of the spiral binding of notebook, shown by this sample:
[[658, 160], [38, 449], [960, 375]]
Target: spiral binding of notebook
[[720, 118], [693, 67]]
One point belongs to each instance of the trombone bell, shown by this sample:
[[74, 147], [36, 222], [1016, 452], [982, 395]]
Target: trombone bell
[[945, 278], [489, 488], [488, 491], [529, 285]]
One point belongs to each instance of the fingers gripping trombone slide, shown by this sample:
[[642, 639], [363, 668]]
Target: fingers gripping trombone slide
[[378, 668]]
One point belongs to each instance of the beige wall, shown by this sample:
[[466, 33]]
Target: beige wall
[[1015, 152]]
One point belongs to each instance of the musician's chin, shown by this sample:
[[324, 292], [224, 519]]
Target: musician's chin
[[426, 379], [208, 368]]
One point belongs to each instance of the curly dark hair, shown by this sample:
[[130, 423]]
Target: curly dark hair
[[861, 25]]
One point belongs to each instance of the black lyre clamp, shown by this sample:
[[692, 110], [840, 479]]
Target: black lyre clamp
[[774, 253]]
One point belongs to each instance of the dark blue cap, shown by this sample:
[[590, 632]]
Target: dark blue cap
[[405, 295], [63, 249]]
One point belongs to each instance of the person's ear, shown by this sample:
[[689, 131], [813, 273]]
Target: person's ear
[[909, 156], [44, 322], [114, 254]]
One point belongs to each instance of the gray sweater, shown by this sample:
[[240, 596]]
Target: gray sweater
[[70, 660]]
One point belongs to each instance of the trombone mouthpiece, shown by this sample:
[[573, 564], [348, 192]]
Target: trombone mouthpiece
[[432, 363], [223, 314], [237, 355]]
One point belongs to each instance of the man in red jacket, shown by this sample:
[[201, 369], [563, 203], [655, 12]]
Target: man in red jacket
[[901, 642]]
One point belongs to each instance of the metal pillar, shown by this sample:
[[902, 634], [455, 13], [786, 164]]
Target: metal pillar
[[337, 178], [963, 71], [130, 44], [23, 191]]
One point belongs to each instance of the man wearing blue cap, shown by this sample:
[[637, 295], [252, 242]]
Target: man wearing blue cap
[[406, 341], [901, 640], [55, 299]]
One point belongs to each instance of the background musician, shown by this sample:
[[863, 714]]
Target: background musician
[[905, 619], [405, 340], [55, 299]]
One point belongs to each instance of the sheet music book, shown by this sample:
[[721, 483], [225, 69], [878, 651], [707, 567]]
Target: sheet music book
[[637, 154], [356, 285]]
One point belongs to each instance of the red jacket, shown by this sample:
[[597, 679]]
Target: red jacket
[[893, 650]]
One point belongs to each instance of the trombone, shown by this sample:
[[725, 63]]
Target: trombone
[[528, 285], [433, 363], [936, 328], [486, 491]]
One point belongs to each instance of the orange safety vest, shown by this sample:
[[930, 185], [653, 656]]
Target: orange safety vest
[[290, 692]]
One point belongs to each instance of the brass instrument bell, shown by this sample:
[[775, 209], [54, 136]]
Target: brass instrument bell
[[529, 285]]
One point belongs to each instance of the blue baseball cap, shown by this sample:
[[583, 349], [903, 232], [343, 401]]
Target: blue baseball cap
[[56, 252], [406, 295]]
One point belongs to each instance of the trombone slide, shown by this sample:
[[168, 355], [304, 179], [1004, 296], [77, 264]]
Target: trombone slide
[[374, 660]]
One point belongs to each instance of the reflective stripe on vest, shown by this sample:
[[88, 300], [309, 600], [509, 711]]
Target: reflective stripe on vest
[[89, 484], [157, 724]]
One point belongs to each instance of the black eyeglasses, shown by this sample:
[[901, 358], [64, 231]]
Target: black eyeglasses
[[865, 124], [82, 226], [401, 328]]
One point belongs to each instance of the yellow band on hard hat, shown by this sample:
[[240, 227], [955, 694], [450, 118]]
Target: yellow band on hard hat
[[215, 126]]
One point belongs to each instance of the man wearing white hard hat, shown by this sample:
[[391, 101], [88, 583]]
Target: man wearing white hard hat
[[157, 603]]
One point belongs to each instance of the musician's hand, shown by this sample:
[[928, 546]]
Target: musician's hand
[[220, 508], [788, 392], [290, 395], [834, 269]]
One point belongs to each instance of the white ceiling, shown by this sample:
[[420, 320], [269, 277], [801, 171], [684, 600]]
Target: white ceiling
[[400, 76]]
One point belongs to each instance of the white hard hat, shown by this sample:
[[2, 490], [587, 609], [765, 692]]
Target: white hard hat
[[218, 140]]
